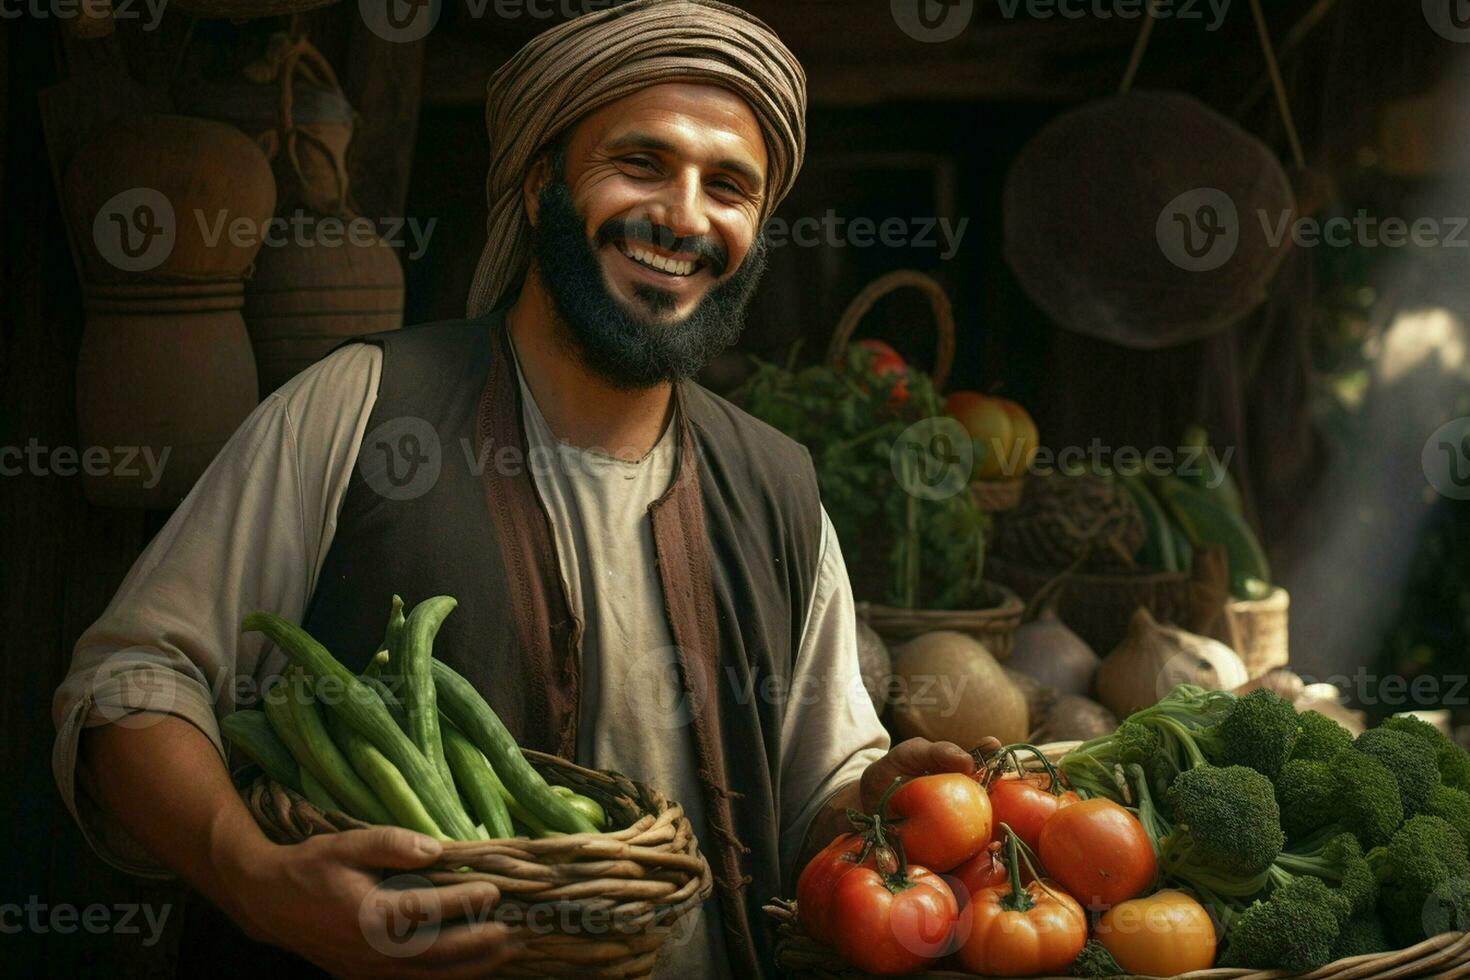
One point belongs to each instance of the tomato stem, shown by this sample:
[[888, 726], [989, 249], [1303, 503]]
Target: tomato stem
[[1019, 900], [1054, 786]]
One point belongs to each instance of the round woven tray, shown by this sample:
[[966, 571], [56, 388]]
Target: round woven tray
[[993, 626], [586, 905], [994, 496], [1444, 956]]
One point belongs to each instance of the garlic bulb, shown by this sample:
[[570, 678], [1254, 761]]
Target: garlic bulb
[[1152, 658]]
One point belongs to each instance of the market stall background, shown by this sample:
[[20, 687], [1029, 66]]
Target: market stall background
[[1327, 393]]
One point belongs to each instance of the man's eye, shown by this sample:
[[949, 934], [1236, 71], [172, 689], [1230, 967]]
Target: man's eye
[[730, 186], [643, 162]]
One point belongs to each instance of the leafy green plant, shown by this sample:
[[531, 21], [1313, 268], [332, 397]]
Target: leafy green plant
[[902, 549]]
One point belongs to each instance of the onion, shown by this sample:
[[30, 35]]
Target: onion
[[1075, 718], [1278, 680], [873, 662], [1049, 651], [949, 688], [1152, 659]]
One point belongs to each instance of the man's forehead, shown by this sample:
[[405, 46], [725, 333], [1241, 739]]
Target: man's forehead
[[663, 110]]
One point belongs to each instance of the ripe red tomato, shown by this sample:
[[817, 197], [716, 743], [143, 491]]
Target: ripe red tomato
[[814, 887], [943, 819], [1025, 804], [892, 925], [886, 364], [1099, 852], [985, 870]]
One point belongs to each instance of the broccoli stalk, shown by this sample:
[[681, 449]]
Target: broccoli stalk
[[1338, 861], [1095, 961], [1225, 834]]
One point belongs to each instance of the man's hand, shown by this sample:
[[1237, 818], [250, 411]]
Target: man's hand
[[330, 898], [917, 757], [335, 900]]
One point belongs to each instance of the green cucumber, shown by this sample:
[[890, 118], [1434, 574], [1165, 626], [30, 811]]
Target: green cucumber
[[251, 733], [418, 680], [318, 794], [1205, 521], [1209, 474], [386, 781], [362, 709], [387, 657], [590, 808], [477, 782], [462, 704], [324, 759], [392, 701], [1158, 549]]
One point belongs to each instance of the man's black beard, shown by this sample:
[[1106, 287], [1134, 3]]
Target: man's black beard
[[627, 350]]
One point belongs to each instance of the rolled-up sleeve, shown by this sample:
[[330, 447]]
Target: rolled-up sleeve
[[830, 733], [251, 534]]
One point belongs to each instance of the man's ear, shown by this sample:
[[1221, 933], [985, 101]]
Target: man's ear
[[537, 178]]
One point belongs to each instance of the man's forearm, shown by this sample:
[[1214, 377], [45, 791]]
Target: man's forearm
[[165, 784], [829, 821]]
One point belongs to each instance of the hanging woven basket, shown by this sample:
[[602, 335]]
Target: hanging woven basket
[[585, 905]]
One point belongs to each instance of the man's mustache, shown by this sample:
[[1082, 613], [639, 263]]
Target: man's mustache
[[661, 236]]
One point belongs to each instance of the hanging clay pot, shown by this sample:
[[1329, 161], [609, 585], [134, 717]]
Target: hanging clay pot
[[166, 213], [307, 296]]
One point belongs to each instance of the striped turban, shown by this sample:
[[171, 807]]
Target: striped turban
[[585, 63]]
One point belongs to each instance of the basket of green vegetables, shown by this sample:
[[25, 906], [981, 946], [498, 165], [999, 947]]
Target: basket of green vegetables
[[594, 869]]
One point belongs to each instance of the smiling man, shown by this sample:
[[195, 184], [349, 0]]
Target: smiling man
[[646, 579]]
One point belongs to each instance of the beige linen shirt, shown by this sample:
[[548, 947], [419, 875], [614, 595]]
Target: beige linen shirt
[[253, 534]]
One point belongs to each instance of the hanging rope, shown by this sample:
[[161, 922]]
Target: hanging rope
[[1278, 85], [1139, 47]]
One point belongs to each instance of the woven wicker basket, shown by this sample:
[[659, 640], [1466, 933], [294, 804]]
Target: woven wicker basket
[[1097, 607], [587, 905], [993, 626], [1258, 631], [1444, 956]]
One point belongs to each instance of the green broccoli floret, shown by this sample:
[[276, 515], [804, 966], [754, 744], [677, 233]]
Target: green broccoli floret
[[1295, 929], [1452, 806], [1320, 737], [1411, 760], [1227, 829], [1338, 861], [1095, 961], [1259, 731], [1425, 880], [1093, 767], [1359, 936], [1454, 762], [1306, 791], [1368, 801]]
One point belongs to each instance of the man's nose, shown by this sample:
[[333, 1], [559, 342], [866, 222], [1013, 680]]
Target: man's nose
[[678, 207]]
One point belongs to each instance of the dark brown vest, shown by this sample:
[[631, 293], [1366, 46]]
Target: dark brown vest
[[737, 538]]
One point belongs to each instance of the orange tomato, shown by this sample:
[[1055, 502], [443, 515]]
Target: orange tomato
[[1161, 935], [1041, 930], [943, 819], [1025, 804], [1099, 852]]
